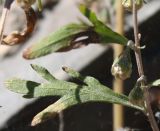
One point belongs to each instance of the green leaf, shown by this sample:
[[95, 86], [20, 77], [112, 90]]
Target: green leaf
[[82, 95], [66, 38], [109, 36], [43, 72], [21, 86], [89, 14], [71, 93], [32, 89], [55, 41], [106, 34], [85, 79], [155, 83]]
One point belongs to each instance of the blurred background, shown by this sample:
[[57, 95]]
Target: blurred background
[[17, 112]]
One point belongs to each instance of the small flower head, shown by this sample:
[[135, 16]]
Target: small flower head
[[122, 66], [128, 4]]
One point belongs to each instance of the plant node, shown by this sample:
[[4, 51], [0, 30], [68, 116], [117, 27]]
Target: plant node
[[132, 46]]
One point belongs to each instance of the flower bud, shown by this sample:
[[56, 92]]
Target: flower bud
[[127, 4], [136, 96], [122, 66]]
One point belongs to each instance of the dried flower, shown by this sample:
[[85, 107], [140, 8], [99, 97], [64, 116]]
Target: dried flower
[[122, 66]]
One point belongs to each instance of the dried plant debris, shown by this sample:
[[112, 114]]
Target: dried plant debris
[[17, 37]]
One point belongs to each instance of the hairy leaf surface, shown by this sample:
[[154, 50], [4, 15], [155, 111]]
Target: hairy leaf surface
[[71, 93]]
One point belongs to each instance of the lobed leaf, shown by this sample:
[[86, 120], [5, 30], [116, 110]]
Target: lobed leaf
[[71, 93], [43, 72], [85, 79], [82, 95], [32, 89]]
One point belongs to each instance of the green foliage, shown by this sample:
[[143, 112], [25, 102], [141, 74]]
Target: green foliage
[[91, 90], [65, 38], [71, 93], [54, 42], [106, 34], [43, 72]]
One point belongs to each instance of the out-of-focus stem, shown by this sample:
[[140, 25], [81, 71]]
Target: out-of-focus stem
[[5, 11], [118, 117]]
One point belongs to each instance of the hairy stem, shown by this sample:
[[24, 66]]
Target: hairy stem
[[149, 111]]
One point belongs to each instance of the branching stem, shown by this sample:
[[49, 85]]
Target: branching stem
[[149, 111]]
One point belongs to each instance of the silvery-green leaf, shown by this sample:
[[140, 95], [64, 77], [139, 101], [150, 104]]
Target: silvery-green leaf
[[32, 89], [85, 79], [71, 93], [82, 95], [43, 72], [55, 41]]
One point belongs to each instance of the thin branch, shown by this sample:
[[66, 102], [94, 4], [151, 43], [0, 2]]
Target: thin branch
[[149, 111]]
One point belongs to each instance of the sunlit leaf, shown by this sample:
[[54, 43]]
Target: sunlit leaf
[[43, 72], [106, 34], [65, 38], [82, 95], [89, 14], [71, 93], [55, 41], [32, 89], [21, 86]]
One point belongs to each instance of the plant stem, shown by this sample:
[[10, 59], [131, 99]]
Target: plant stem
[[149, 111], [118, 111]]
